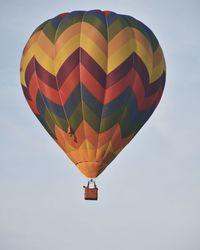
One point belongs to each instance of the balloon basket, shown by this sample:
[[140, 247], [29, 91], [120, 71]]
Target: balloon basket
[[91, 193]]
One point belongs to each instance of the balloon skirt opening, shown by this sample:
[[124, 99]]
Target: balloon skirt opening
[[91, 169]]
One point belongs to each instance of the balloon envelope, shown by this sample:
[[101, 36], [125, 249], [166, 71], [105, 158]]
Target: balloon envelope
[[92, 78]]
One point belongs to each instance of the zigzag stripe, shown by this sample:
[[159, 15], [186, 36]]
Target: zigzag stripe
[[97, 19], [97, 73], [87, 30], [92, 67], [88, 45], [73, 44], [41, 57], [111, 59], [67, 67], [114, 46], [69, 20], [96, 141], [93, 34], [44, 43], [94, 112], [120, 72], [71, 63], [91, 135], [134, 23], [93, 138], [53, 95], [87, 17], [128, 124], [90, 32], [132, 36]]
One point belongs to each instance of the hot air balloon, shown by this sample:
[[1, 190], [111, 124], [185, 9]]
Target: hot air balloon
[[92, 78]]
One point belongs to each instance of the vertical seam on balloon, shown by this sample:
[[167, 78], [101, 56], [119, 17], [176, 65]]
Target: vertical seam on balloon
[[107, 29], [54, 53], [58, 87], [81, 88], [139, 112], [122, 113], [53, 120], [133, 32], [150, 75]]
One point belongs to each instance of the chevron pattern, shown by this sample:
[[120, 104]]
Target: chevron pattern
[[92, 78]]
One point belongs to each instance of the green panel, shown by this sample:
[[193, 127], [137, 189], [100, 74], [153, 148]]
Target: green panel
[[49, 30], [39, 28], [110, 121], [67, 22], [91, 118], [144, 29], [103, 124], [126, 127], [76, 118], [48, 119], [97, 23], [118, 25], [52, 119], [48, 127]]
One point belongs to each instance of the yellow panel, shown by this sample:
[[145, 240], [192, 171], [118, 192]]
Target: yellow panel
[[66, 51], [67, 35], [87, 145], [157, 71], [43, 59], [131, 46], [106, 148], [94, 51]]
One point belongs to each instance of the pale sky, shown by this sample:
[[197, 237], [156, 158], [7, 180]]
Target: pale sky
[[150, 195]]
